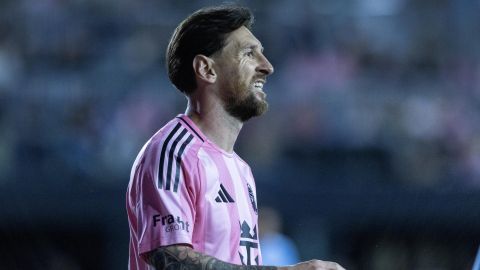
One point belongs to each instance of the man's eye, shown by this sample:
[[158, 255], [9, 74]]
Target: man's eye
[[249, 53]]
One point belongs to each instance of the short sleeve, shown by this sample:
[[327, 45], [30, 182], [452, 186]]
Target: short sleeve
[[166, 195]]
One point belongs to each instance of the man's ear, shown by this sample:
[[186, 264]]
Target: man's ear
[[203, 68]]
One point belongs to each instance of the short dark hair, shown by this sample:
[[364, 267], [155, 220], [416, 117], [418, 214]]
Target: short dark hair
[[203, 32]]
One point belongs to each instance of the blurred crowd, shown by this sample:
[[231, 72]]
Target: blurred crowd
[[83, 84]]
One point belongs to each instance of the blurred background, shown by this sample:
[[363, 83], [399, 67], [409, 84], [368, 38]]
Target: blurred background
[[369, 154]]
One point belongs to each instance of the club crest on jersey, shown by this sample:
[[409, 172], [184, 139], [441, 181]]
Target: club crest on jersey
[[252, 198]]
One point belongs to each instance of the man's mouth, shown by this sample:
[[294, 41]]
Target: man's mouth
[[259, 84]]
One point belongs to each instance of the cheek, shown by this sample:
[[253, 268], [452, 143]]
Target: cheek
[[247, 66], [245, 72]]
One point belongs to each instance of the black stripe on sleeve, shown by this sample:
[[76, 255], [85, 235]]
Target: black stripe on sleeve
[[170, 158], [162, 155], [191, 128], [179, 160]]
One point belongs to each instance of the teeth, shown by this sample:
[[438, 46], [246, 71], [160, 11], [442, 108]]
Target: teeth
[[258, 85]]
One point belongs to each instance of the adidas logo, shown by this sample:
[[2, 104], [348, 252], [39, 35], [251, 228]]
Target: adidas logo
[[223, 196]]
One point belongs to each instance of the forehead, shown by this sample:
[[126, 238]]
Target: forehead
[[242, 37]]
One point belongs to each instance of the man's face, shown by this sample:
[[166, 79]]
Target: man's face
[[242, 70]]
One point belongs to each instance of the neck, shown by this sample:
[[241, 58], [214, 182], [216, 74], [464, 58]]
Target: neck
[[214, 122]]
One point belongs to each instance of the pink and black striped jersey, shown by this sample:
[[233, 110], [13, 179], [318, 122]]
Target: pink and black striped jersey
[[185, 189]]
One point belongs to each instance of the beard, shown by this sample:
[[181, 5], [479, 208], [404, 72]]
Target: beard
[[243, 107]]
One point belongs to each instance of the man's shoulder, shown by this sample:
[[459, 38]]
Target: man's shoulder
[[176, 138]]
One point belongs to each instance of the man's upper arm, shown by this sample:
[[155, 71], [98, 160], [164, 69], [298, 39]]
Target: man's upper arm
[[165, 210]]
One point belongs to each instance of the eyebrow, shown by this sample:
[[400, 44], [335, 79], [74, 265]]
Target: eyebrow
[[251, 46]]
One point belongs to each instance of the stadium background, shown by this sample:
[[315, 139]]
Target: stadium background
[[370, 150]]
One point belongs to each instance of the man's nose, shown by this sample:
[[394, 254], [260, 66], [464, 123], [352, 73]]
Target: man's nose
[[265, 66]]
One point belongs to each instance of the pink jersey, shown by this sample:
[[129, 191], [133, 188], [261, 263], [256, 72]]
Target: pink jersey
[[185, 189]]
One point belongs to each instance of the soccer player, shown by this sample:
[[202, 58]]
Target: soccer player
[[191, 200]]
